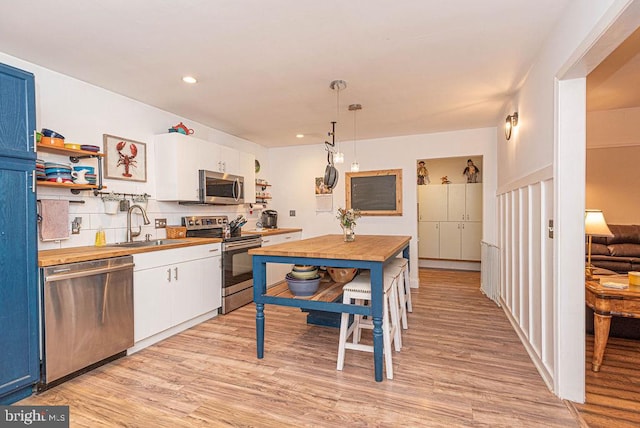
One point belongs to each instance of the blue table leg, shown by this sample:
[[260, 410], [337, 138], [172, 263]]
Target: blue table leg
[[260, 329], [377, 299], [259, 288]]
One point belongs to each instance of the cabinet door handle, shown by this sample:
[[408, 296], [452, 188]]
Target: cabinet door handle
[[213, 250], [35, 142], [288, 237], [169, 274], [175, 273], [33, 181]]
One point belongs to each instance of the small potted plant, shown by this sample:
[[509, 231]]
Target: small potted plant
[[348, 222]]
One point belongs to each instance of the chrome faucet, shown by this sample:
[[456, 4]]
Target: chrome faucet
[[130, 233]]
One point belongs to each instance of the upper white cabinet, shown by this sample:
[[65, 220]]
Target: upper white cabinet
[[227, 160], [178, 158], [433, 202], [248, 171]]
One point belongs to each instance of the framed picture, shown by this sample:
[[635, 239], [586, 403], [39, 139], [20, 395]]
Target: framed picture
[[375, 192], [124, 159]]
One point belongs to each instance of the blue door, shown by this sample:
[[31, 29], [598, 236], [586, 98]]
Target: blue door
[[19, 351]]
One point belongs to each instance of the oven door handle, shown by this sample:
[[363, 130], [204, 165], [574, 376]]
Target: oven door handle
[[227, 246]]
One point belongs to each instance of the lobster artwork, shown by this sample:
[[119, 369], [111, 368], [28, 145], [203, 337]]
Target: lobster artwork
[[126, 160]]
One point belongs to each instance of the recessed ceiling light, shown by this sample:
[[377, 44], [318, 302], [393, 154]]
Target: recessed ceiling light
[[189, 79], [299, 135]]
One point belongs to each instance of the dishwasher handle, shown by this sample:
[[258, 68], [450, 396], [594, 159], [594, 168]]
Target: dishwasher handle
[[88, 272]]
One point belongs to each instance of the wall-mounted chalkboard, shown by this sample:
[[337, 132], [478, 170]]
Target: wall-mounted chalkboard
[[375, 192]]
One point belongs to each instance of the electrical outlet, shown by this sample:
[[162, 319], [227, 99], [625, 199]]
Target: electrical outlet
[[292, 213], [161, 223]]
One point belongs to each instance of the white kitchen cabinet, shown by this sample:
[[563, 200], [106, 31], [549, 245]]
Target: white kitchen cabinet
[[175, 286], [248, 171], [177, 161], [429, 239], [473, 201], [460, 240], [464, 202], [276, 272], [178, 158], [432, 202], [470, 240], [227, 160], [450, 221]]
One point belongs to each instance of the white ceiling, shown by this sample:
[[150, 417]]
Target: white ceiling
[[264, 67]]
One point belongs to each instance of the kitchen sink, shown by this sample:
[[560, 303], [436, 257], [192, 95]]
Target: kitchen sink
[[152, 243]]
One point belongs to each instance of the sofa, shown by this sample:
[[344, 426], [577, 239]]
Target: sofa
[[620, 253]]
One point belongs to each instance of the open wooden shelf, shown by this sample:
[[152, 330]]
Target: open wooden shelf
[[328, 291], [45, 183], [67, 152]]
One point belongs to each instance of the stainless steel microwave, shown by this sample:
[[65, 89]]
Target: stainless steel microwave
[[220, 188]]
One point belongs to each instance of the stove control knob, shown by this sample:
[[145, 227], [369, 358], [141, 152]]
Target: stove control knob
[[190, 222], [197, 222]]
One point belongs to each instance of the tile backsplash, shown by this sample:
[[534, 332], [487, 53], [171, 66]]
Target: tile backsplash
[[91, 210]]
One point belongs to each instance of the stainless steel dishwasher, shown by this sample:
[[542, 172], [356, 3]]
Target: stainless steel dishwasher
[[88, 315]]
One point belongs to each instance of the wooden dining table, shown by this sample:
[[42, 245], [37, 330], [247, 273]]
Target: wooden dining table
[[366, 252]]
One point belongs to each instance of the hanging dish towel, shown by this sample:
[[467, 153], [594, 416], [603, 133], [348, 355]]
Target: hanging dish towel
[[54, 219]]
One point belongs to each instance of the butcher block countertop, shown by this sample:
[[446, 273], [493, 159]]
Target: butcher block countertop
[[82, 254], [269, 232], [366, 247]]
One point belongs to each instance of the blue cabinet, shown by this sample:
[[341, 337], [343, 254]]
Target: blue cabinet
[[19, 343]]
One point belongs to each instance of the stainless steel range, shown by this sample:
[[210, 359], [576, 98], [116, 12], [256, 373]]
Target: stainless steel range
[[237, 268]]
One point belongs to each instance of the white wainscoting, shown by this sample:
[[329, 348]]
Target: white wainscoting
[[526, 266]]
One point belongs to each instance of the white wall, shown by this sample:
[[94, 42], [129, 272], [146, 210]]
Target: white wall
[[83, 113], [611, 128], [550, 112], [293, 171]]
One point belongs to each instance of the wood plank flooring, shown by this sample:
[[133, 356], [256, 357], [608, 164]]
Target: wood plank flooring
[[613, 394], [461, 365]]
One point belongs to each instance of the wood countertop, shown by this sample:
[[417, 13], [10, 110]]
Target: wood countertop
[[270, 232], [366, 247], [81, 254]]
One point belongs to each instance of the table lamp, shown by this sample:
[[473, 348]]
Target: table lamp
[[594, 225]]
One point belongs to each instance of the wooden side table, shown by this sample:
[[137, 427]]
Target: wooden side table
[[608, 302]]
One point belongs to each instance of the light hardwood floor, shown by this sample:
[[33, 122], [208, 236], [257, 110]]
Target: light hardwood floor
[[613, 394], [461, 365]]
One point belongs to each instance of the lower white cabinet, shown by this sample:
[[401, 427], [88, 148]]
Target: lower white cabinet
[[173, 286], [452, 240], [429, 239], [277, 271]]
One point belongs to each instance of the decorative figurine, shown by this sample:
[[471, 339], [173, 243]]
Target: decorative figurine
[[423, 174], [471, 172], [445, 180]]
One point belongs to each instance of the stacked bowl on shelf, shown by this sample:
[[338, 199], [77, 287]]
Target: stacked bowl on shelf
[[58, 172], [40, 174], [51, 138], [303, 280]]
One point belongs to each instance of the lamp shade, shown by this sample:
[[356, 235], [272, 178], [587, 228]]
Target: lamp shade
[[595, 224]]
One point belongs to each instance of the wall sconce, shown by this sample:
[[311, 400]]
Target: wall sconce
[[511, 121]]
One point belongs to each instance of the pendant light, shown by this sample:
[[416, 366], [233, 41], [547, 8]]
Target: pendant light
[[338, 85], [355, 166]]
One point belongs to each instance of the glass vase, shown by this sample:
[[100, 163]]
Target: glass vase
[[349, 234]]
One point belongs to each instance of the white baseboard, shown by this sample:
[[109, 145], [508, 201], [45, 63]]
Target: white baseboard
[[449, 264], [148, 341]]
